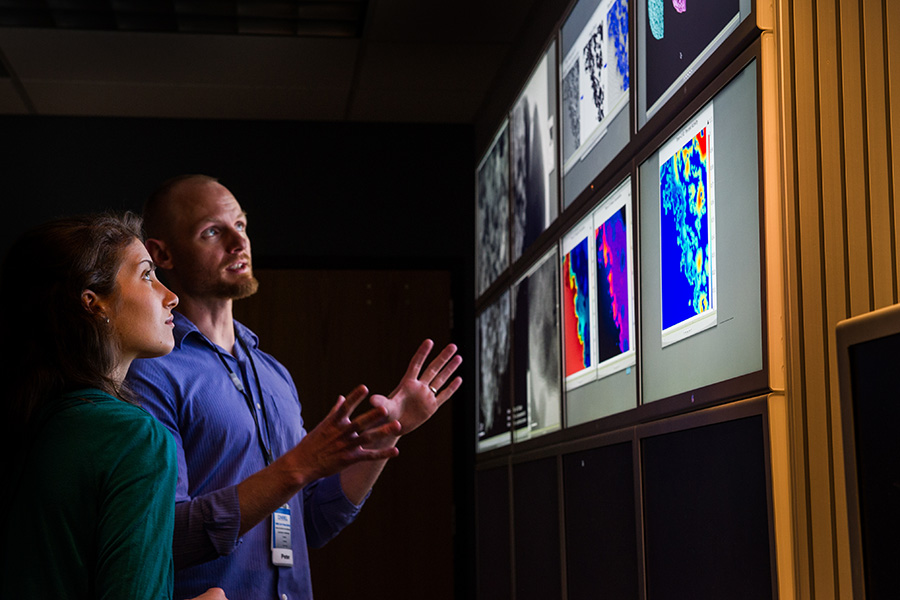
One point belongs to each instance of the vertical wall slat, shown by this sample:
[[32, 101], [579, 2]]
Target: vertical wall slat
[[793, 301], [811, 253], [876, 135], [840, 76], [853, 130], [832, 158], [892, 30]]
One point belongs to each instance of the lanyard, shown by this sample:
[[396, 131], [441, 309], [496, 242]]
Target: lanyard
[[266, 449]]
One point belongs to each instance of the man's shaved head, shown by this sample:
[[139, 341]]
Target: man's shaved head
[[159, 213]]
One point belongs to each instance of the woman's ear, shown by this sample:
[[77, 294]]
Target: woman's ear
[[94, 304]]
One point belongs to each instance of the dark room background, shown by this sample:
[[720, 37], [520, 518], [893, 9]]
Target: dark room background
[[320, 197]]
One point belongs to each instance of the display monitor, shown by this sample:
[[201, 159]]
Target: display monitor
[[674, 38], [700, 253], [598, 303], [595, 83], [494, 399], [600, 522], [492, 514], [537, 380], [687, 229], [536, 530], [868, 352], [578, 290], [532, 141], [614, 263], [492, 212], [706, 508]]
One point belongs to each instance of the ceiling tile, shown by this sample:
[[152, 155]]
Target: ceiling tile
[[475, 21], [185, 102], [176, 58], [438, 66]]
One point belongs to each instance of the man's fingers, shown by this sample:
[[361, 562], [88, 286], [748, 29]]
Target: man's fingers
[[350, 403], [441, 378], [387, 430], [438, 364], [370, 418], [418, 359]]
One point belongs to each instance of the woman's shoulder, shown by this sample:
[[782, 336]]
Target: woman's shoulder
[[99, 412], [93, 432]]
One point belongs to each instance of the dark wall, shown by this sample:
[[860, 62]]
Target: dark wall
[[350, 191], [318, 195]]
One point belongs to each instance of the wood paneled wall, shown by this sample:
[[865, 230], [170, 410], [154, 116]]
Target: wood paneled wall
[[839, 99]]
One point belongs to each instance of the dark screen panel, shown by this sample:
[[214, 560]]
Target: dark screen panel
[[494, 562], [876, 416], [677, 37], [536, 529], [601, 539], [674, 42], [706, 526]]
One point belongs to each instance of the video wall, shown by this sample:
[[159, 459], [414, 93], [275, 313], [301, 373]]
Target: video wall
[[619, 261], [624, 393]]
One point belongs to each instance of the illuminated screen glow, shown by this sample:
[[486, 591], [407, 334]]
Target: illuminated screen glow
[[536, 359], [614, 336], [493, 381], [532, 148], [687, 235], [595, 79], [576, 308], [492, 210]]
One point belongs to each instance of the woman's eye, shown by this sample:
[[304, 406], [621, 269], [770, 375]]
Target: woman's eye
[[146, 276]]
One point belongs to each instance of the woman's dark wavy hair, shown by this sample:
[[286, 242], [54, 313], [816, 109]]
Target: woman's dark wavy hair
[[58, 344]]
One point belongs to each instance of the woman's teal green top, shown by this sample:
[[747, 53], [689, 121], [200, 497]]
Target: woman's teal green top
[[92, 512]]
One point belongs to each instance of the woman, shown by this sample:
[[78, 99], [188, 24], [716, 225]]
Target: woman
[[90, 509]]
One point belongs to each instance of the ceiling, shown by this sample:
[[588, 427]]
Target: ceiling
[[408, 61]]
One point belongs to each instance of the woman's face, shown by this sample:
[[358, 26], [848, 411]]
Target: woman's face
[[140, 309]]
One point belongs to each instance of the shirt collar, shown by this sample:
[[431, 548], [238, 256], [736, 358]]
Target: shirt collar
[[184, 327]]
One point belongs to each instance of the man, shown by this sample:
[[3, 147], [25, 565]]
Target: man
[[254, 489]]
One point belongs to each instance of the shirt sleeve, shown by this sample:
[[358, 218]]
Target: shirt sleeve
[[326, 510], [137, 513], [206, 526]]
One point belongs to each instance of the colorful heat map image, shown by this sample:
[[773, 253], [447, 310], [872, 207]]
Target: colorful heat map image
[[686, 246], [576, 308], [613, 324]]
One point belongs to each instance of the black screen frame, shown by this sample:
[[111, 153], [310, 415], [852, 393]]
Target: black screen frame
[[753, 407]]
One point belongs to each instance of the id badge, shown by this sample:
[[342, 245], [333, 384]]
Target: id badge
[[282, 553]]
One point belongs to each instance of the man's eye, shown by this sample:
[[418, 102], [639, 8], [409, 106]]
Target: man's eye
[[209, 232], [240, 226]]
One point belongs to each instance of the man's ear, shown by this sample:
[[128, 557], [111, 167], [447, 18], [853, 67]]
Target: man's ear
[[159, 252]]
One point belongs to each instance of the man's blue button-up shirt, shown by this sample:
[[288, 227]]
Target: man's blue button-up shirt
[[192, 393]]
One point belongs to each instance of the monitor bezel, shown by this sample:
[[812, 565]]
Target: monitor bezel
[[850, 332], [755, 382], [750, 407]]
